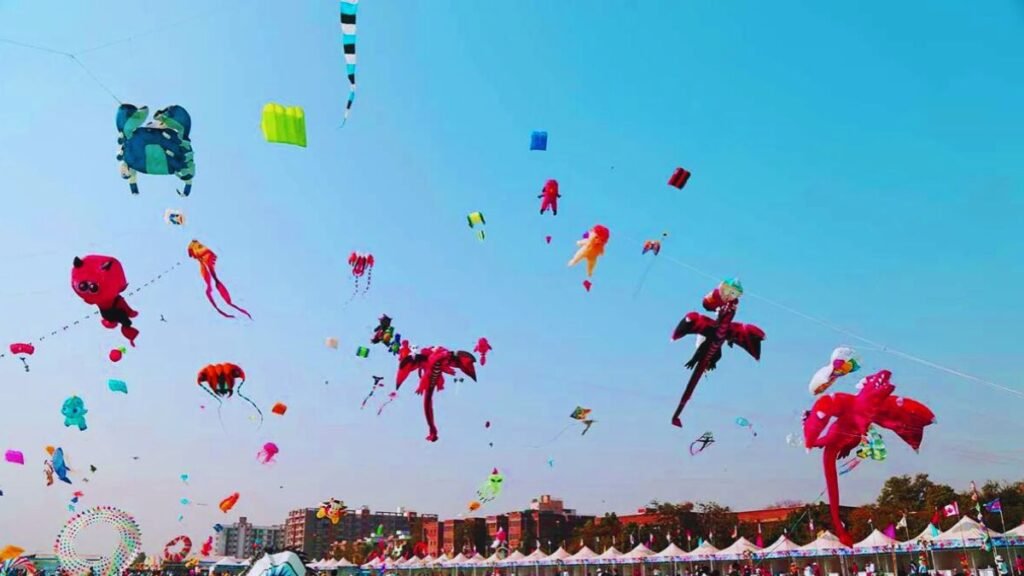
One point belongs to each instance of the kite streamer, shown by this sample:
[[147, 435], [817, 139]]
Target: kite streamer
[[348, 42], [129, 546]]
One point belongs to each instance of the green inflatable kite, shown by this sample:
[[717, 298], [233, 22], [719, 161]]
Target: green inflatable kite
[[284, 124]]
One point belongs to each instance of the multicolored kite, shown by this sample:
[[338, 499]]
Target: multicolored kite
[[348, 43]]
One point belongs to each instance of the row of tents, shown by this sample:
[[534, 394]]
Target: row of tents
[[966, 533]]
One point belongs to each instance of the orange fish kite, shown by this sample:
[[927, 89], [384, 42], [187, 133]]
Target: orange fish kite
[[208, 270]]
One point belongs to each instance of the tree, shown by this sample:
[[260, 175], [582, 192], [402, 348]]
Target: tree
[[716, 523]]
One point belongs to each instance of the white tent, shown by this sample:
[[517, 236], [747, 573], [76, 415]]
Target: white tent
[[584, 555], [610, 554], [737, 549], [670, 554], [966, 531], [476, 559], [825, 544], [638, 553], [459, 559], [1016, 533], [535, 556], [706, 551], [875, 542], [560, 554], [512, 558], [782, 548]]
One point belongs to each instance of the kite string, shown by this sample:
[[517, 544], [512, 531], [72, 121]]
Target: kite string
[[880, 346], [65, 327]]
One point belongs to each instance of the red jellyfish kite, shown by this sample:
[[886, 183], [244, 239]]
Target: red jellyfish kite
[[716, 333], [99, 281], [431, 364], [874, 404], [361, 264], [218, 380]]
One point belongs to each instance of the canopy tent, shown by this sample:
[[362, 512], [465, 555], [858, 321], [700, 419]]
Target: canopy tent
[[512, 558], [560, 554], [782, 548], [875, 542], [459, 559], [706, 551], [825, 544], [638, 553], [672, 553], [737, 550], [610, 555], [584, 555], [534, 557], [966, 533]]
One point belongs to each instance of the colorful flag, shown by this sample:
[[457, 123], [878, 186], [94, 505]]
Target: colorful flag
[[890, 531], [760, 540], [952, 509], [903, 522], [994, 506]]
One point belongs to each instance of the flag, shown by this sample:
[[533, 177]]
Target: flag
[[952, 509], [735, 531], [994, 506], [935, 530], [811, 523], [688, 535], [890, 531], [903, 522]]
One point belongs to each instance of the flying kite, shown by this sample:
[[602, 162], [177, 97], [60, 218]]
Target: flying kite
[[266, 455], [432, 363], [74, 412], [174, 217], [539, 140], [591, 247], [279, 408], [228, 503], [873, 404], [715, 333], [741, 421], [474, 505], [653, 246], [348, 43], [697, 446], [161, 147], [482, 348], [477, 219], [332, 509], [99, 281], [14, 457], [283, 124], [582, 414], [219, 380], [117, 386], [549, 197], [378, 382], [56, 465], [679, 178], [361, 264], [844, 361], [23, 349], [490, 489], [331, 342], [208, 271]]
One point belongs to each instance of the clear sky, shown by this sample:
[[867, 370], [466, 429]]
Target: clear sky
[[860, 163]]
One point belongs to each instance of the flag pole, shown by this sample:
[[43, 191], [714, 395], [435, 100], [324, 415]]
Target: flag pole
[[1006, 542]]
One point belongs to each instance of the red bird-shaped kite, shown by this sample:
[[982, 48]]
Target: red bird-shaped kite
[[716, 333], [431, 364], [874, 404]]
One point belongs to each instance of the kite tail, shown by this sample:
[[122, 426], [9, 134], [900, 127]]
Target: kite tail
[[223, 290], [348, 43], [829, 457], [207, 274], [698, 371], [258, 411], [369, 279], [428, 412]]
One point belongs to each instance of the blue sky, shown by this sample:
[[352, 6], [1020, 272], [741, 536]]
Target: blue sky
[[860, 164]]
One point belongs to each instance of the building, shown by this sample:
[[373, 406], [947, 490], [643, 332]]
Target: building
[[244, 540], [547, 522], [314, 536]]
